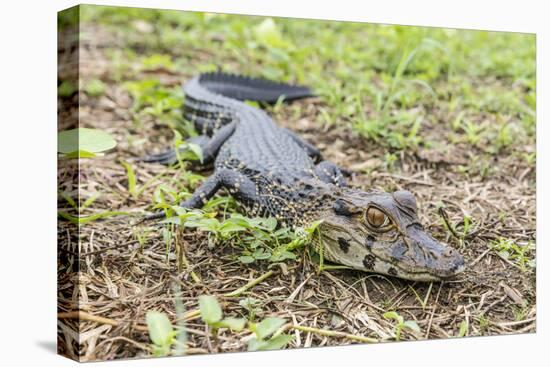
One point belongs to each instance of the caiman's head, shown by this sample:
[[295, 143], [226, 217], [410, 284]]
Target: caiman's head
[[380, 232]]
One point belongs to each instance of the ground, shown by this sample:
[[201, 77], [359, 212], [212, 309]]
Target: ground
[[447, 114]]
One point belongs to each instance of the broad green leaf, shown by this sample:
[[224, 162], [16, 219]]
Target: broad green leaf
[[84, 139], [255, 344], [229, 227], [277, 342], [232, 323], [412, 325], [249, 303], [80, 154], [246, 259], [270, 223], [210, 309], [282, 256], [160, 328], [268, 326], [197, 150]]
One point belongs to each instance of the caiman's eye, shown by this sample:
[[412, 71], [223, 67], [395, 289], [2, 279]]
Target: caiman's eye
[[376, 218]]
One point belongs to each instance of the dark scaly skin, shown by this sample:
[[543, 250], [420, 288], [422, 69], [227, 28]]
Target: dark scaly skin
[[272, 172]]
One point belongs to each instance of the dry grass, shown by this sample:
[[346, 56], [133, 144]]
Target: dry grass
[[116, 281]]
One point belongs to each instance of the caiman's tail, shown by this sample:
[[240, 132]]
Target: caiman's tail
[[252, 89]]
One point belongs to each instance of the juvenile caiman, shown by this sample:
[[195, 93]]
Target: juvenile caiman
[[270, 171]]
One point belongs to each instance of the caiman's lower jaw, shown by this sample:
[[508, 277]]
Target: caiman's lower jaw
[[425, 261], [433, 275], [371, 263]]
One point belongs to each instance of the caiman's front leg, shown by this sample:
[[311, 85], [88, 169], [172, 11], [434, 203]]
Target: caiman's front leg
[[236, 183], [212, 184]]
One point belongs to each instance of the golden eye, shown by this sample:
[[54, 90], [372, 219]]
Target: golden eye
[[376, 218]]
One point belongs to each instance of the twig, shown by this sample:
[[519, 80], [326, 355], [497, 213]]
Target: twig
[[184, 260], [445, 217], [514, 323], [135, 343], [247, 286], [433, 311], [480, 257], [359, 338]]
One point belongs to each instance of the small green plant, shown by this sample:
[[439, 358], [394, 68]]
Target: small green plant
[[504, 137], [150, 98], [389, 161], [133, 188], [95, 88], [258, 238], [251, 305], [530, 158], [141, 235], [131, 179], [473, 131], [266, 335], [483, 323], [66, 89], [157, 61], [423, 302], [401, 324], [520, 313], [161, 333], [519, 254], [463, 330], [464, 228], [212, 315], [456, 123]]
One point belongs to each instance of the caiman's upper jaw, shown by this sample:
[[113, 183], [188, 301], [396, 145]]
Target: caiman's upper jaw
[[438, 259]]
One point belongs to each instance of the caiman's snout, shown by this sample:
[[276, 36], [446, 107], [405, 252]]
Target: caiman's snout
[[433, 257], [456, 263]]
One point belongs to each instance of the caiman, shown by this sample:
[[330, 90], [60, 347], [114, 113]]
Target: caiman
[[270, 171]]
